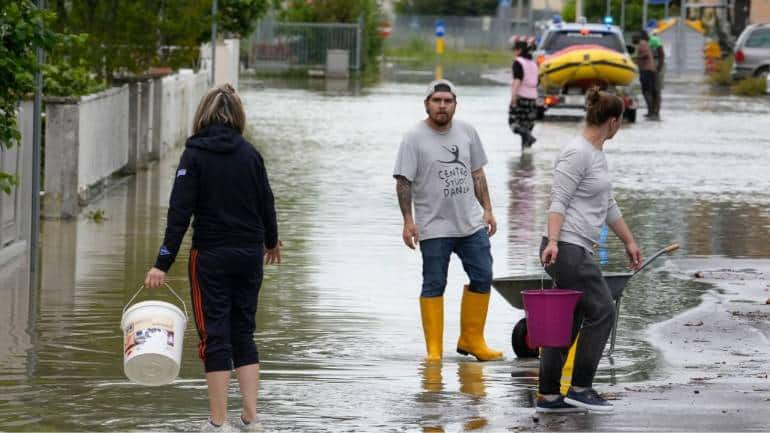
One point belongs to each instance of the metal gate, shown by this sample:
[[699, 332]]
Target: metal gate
[[288, 45]]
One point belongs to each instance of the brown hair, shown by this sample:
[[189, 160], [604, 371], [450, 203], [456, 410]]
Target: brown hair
[[602, 106], [220, 105]]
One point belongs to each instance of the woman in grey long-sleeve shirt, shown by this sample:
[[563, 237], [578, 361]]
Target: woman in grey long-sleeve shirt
[[581, 202]]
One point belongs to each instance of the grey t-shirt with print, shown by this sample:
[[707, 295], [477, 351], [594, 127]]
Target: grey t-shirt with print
[[439, 165]]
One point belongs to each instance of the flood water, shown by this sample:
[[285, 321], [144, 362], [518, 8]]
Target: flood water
[[338, 325]]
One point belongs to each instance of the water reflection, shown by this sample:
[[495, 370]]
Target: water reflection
[[471, 377], [432, 379], [15, 316], [524, 226]]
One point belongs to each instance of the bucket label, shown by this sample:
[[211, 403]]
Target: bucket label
[[149, 335]]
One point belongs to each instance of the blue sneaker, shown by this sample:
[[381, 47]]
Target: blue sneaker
[[588, 399], [556, 406]]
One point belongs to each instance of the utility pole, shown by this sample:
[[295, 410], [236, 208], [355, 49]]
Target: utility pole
[[609, 9], [681, 42], [37, 138], [623, 15], [213, 41]]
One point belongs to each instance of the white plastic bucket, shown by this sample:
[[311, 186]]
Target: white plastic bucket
[[153, 333]]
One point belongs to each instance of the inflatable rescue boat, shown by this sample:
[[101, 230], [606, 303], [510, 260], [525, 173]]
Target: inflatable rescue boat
[[587, 63]]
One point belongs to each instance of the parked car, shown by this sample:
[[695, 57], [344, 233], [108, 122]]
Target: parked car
[[559, 36], [752, 52]]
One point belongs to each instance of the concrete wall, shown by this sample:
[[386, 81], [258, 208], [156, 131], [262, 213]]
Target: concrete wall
[[61, 160], [89, 139], [15, 208], [86, 143], [181, 94], [228, 63], [760, 12], [103, 136]]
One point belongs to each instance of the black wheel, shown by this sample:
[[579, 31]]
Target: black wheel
[[540, 115], [630, 115], [519, 341]]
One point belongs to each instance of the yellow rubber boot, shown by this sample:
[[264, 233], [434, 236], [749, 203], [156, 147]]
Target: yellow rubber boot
[[473, 316], [432, 310], [566, 371]]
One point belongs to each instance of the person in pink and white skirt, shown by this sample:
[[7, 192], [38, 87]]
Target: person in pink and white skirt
[[523, 109]]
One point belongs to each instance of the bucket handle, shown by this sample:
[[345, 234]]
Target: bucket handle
[[168, 286], [543, 273]]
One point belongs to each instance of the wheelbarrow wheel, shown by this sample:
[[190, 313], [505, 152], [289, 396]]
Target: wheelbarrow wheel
[[519, 341]]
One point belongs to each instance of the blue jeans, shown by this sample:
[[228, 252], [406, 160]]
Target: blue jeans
[[473, 251]]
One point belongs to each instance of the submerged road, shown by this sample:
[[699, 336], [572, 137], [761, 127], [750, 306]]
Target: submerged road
[[338, 324]]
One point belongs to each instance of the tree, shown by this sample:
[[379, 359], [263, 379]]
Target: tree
[[448, 7], [23, 29], [595, 10], [238, 17], [132, 35]]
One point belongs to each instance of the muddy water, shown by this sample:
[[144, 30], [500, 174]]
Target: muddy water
[[338, 325]]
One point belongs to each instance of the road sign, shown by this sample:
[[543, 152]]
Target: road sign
[[384, 29], [440, 29]]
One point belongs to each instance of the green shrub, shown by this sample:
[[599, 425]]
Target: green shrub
[[722, 76], [417, 45], [754, 86], [62, 79]]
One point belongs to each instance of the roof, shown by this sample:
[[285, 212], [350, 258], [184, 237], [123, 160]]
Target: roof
[[664, 25]]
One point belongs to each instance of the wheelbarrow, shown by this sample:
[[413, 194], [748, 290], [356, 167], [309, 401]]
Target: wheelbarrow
[[510, 289]]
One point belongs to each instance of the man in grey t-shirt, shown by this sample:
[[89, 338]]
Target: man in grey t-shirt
[[440, 167]]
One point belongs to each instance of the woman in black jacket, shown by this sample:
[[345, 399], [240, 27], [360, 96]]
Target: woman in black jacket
[[222, 182]]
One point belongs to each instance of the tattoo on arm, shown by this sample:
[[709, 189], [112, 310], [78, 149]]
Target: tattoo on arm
[[404, 192], [481, 190]]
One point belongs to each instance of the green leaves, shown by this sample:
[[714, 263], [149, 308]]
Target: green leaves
[[64, 79], [130, 36], [7, 182], [20, 36], [448, 7], [594, 11]]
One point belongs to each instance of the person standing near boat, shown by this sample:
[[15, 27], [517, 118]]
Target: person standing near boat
[[522, 111], [581, 203], [222, 181], [440, 166], [659, 57], [647, 71]]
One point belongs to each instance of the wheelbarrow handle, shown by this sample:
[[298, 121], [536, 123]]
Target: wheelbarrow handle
[[615, 326], [656, 254], [668, 249]]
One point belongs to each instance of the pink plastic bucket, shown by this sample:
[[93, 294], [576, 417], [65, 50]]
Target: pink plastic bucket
[[549, 316]]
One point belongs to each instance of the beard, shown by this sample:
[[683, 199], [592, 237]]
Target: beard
[[441, 118]]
